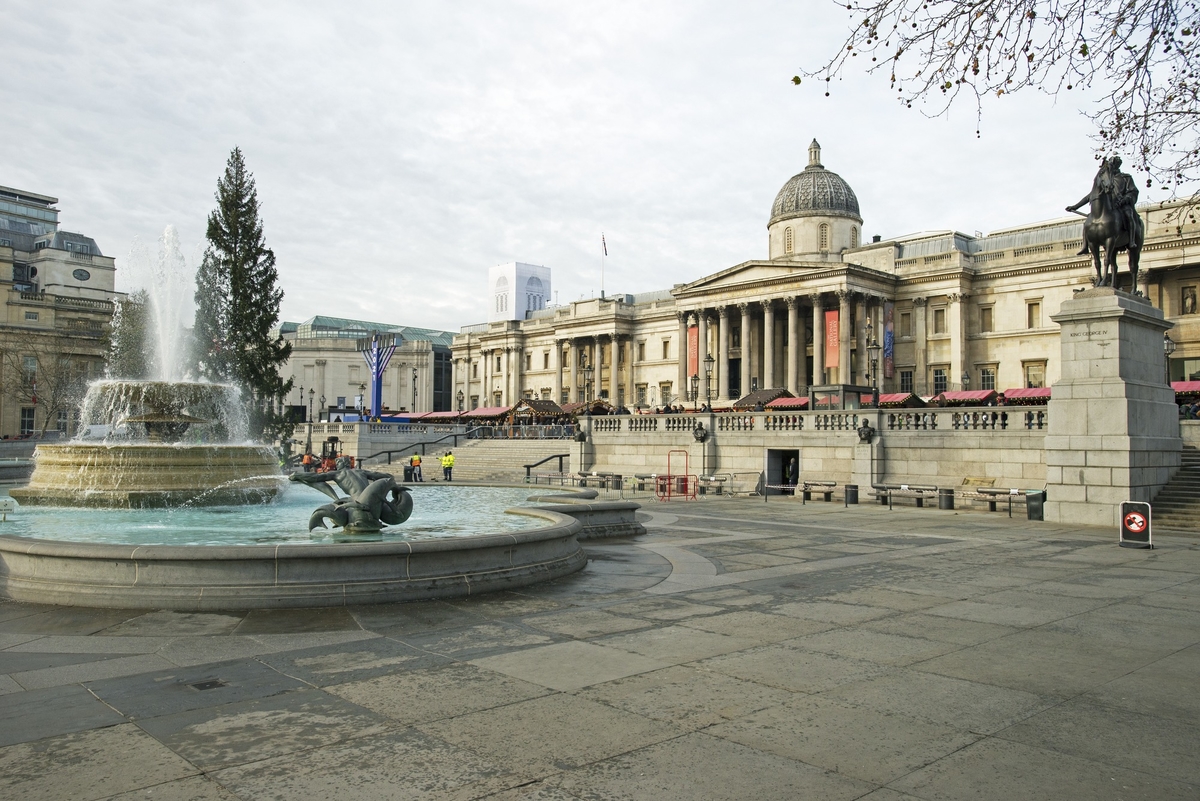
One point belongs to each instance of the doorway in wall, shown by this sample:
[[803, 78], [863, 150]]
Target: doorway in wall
[[776, 461]]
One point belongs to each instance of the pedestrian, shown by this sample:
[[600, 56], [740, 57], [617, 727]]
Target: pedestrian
[[414, 462], [447, 465], [307, 462]]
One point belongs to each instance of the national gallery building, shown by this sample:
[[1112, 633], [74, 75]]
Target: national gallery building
[[949, 311]]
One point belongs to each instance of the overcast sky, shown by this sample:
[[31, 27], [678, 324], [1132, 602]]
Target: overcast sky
[[401, 149]]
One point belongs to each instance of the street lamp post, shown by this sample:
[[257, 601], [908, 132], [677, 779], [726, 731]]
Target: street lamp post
[[362, 400], [414, 406], [323, 411], [1168, 349], [587, 382], [873, 366], [709, 361], [459, 398], [311, 394], [695, 389]]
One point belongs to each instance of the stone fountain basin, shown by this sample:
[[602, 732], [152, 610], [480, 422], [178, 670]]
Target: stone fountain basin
[[238, 577], [206, 577], [143, 474]]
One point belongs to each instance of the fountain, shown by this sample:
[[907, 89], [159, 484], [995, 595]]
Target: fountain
[[161, 442], [180, 445]]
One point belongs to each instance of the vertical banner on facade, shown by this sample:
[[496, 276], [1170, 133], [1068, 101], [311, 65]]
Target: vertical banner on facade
[[831, 339], [693, 351], [889, 338]]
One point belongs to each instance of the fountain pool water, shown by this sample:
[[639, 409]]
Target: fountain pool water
[[440, 511]]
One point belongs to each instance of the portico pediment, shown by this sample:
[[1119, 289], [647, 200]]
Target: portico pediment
[[755, 273]]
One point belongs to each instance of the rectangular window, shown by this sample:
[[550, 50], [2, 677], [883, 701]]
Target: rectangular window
[[546, 360], [31, 315], [641, 352], [939, 380], [474, 369], [353, 373], [666, 349], [29, 369], [62, 421], [905, 324], [939, 321], [641, 394], [985, 319], [987, 378], [664, 392], [906, 382], [474, 401], [497, 365], [566, 396], [528, 361], [1033, 315], [735, 337], [27, 413], [1035, 374]]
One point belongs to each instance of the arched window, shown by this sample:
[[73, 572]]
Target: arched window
[[824, 235], [854, 236], [787, 240], [501, 294]]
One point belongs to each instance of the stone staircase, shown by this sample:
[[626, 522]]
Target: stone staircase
[[492, 460], [1177, 505]]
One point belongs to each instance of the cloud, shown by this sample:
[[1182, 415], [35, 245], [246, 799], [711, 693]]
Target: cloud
[[402, 149]]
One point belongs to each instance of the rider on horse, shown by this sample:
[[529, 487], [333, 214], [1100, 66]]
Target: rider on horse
[[1124, 196]]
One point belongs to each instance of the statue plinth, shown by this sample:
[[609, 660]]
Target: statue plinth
[[1113, 434]]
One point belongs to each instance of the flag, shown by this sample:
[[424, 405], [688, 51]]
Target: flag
[[603, 244]]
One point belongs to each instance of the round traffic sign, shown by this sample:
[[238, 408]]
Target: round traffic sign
[[1135, 522]]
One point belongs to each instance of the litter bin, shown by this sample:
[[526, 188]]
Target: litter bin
[[851, 494], [408, 473], [946, 498], [1034, 503]]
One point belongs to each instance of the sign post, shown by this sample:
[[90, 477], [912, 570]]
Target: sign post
[[1135, 525]]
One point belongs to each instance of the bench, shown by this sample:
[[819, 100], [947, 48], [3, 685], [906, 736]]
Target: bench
[[885, 492], [807, 488], [713, 484], [994, 496]]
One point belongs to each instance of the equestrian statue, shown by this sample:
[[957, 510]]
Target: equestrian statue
[[1112, 223], [373, 500]]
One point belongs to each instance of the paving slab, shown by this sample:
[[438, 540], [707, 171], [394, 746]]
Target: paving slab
[[873, 646], [418, 696], [584, 623], [473, 642], [36, 714], [860, 742], [261, 728], [699, 766], [999, 770], [344, 662], [793, 668], [406, 764], [550, 734], [296, 621], [88, 765], [676, 644], [194, 788], [686, 696], [170, 623], [570, 665], [165, 692]]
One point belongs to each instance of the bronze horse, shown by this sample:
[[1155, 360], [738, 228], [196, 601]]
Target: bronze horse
[[1108, 225]]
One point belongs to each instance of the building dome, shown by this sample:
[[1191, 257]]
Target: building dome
[[815, 192]]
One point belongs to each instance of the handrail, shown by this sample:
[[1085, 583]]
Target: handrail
[[420, 445], [558, 456]]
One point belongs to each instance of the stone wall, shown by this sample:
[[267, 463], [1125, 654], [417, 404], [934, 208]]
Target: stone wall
[[927, 446]]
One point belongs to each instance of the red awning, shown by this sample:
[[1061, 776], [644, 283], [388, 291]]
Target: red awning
[[1188, 387], [488, 411], [437, 415], [1027, 392], [969, 395], [788, 403]]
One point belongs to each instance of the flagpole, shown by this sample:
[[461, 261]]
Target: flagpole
[[603, 259]]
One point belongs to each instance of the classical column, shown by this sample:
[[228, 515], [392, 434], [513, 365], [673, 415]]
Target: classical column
[[681, 345], [504, 376], [768, 344], [745, 309], [556, 364], [818, 317], [723, 352], [860, 340], [920, 379], [843, 336], [958, 340], [485, 378], [614, 371], [795, 348], [702, 353]]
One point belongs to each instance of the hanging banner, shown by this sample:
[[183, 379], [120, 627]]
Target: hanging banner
[[889, 338], [831, 339], [693, 351]]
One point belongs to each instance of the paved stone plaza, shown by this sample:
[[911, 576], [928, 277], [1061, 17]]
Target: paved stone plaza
[[739, 650]]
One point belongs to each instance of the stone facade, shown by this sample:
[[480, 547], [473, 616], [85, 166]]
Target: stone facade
[[966, 312], [59, 292]]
